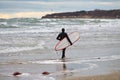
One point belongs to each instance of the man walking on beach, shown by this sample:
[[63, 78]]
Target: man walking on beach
[[61, 36]]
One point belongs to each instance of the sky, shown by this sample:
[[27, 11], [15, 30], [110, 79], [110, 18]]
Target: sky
[[38, 8]]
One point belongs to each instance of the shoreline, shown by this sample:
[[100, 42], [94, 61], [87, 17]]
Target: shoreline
[[109, 76]]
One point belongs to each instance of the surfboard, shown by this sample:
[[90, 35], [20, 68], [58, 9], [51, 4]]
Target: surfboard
[[74, 36]]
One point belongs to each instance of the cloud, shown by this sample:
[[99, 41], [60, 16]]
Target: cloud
[[12, 6], [24, 15]]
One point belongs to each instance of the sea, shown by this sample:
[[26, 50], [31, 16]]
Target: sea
[[27, 46]]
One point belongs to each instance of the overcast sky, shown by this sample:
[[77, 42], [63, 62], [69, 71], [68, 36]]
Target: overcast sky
[[17, 6]]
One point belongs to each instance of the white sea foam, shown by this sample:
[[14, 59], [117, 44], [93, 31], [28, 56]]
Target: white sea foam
[[28, 76], [18, 49], [27, 31], [78, 60]]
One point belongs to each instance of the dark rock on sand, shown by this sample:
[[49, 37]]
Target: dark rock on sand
[[45, 73], [16, 73]]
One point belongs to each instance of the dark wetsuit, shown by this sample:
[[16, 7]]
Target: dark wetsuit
[[61, 36]]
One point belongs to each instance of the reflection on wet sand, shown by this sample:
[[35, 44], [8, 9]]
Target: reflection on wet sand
[[64, 70]]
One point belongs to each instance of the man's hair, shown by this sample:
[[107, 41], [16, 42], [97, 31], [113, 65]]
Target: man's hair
[[63, 30]]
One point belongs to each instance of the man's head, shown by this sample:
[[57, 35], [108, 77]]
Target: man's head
[[63, 30]]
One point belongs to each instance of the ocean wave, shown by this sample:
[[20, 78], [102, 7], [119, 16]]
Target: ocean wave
[[37, 22], [6, 25]]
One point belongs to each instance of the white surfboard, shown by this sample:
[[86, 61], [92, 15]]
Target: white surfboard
[[74, 36]]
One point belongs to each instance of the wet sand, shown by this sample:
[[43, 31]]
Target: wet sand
[[73, 67], [111, 76]]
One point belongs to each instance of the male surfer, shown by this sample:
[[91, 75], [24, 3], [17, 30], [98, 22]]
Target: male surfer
[[61, 36]]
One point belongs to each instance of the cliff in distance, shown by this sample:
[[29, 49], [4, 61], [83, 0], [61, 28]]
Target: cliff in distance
[[110, 14]]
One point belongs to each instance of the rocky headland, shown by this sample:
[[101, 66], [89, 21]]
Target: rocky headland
[[110, 14]]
